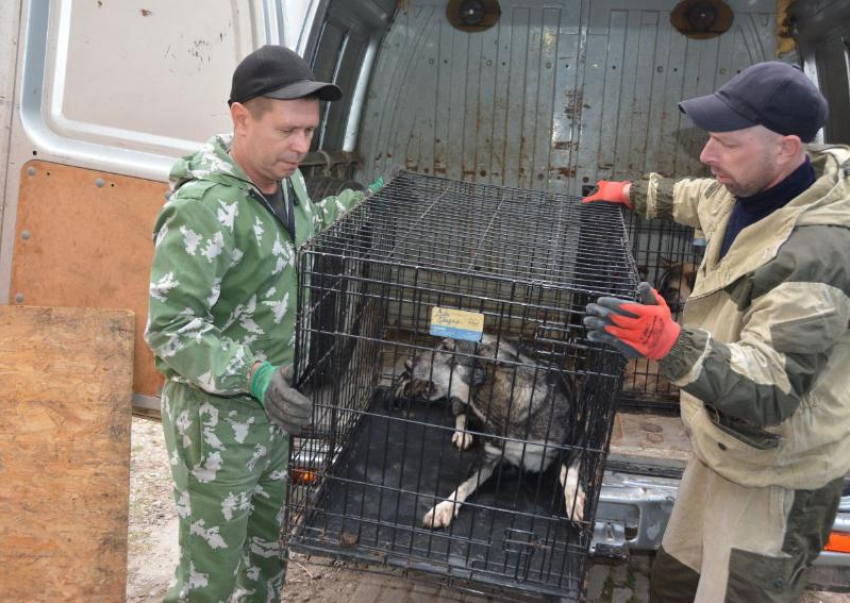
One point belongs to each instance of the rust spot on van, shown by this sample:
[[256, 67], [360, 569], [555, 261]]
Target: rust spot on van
[[567, 145], [574, 105]]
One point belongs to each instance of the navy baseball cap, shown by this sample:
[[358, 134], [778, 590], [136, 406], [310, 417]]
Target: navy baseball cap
[[773, 94], [277, 72]]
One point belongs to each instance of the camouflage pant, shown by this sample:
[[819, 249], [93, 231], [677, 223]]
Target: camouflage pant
[[229, 467]]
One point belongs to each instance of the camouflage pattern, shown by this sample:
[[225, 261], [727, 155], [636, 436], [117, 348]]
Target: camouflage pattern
[[222, 297], [229, 464], [763, 355]]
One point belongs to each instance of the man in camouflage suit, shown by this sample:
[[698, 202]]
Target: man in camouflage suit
[[221, 326], [763, 355]]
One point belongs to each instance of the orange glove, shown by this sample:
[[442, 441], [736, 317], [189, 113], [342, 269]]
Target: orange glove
[[635, 329], [610, 191]]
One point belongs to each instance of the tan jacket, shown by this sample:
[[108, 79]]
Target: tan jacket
[[763, 360]]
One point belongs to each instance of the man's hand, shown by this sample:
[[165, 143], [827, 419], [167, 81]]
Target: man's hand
[[610, 191], [378, 184], [290, 409], [634, 329]]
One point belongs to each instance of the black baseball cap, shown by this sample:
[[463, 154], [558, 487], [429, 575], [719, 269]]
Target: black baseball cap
[[277, 72], [773, 94]]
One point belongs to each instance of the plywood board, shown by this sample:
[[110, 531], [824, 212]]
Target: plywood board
[[65, 393], [83, 239]]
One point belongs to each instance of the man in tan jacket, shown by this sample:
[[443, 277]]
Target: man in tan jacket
[[763, 356]]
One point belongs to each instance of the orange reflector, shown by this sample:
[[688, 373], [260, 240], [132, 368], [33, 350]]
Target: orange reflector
[[839, 542], [303, 477]]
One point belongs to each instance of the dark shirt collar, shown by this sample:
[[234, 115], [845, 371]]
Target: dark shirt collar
[[749, 210]]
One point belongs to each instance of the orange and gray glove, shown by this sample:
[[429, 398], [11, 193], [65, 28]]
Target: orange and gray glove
[[272, 387], [634, 329], [610, 191]]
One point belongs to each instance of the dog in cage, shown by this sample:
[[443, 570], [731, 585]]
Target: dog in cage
[[675, 286], [523, 409], [677, 282]]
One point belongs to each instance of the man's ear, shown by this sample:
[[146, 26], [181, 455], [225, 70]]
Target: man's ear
[[790, 146], [240, 116]]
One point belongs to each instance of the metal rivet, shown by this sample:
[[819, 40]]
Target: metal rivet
[[99, 182], [19, 298], [31, 171], [25, 235]]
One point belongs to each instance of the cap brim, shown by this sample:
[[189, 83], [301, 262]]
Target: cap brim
[[711, 114], [321, 90]]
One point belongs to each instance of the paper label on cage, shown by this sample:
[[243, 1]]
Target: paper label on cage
[[456, 324]]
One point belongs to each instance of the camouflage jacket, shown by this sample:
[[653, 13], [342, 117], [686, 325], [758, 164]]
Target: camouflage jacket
[[224, 279], [764, 356]]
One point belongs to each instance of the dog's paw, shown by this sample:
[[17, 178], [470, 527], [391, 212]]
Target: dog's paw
[[574, 495], [462, 439], [440, 516]]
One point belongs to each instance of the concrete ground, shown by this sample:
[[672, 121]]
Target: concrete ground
[[608, 582]]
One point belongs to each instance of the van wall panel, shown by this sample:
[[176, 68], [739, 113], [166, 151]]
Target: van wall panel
[[576, 91], [84, 239], [822, 30]]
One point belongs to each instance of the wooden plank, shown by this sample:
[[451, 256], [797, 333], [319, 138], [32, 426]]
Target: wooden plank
[[650, 439], [66, 387], [84, 239]]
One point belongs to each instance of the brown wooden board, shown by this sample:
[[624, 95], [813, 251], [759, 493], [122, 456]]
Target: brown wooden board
[[65, 392], [651, 440], [83, 239]]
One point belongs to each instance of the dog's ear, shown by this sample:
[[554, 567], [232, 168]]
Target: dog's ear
[[408, 364], [667, 263]]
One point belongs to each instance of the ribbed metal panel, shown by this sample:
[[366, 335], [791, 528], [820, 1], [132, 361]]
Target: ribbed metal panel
[[555, 96]]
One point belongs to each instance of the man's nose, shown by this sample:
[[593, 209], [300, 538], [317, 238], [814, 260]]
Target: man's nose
[[301, 144], [707, 155]]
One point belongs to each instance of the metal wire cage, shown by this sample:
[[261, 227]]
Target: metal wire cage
[[668, 256], [380, 452]]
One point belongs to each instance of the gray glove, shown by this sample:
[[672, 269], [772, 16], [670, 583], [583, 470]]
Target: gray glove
[[283, 404], [643, 328]]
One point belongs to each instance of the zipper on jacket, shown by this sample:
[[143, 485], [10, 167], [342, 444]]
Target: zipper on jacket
[[257, 194]]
